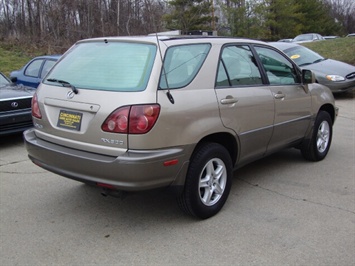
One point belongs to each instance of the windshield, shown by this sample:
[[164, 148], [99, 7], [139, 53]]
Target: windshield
[[112, 66], [306, 37], [3, 81], [303, 56]]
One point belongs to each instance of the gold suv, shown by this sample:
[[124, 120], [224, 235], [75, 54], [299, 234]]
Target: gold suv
[[138, 113]]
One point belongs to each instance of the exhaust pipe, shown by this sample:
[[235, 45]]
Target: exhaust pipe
[[114, 193]]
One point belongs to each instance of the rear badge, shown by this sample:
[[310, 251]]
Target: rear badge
[[113, 141]]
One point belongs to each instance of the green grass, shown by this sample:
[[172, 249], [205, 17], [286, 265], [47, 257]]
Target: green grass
[[342, 49], [13, 55]]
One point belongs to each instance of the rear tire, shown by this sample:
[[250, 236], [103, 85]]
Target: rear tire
[[208, 181], [318, 146]]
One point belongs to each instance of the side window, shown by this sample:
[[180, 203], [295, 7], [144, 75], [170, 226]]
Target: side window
[[46, 67], [181, 64], [33, 68], [278, 69], [237, 67]]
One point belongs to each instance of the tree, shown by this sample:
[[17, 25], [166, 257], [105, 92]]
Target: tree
[[236, 12], [343, 11], [268, 19], [317, 18], [187, 15], [283, 19], [62, 22], [59, 23]]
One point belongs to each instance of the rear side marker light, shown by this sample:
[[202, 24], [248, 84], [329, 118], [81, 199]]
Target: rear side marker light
[[134, 119], [171, 162], [105, 185]]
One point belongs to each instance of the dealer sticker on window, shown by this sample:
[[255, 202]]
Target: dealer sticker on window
[[69, 120]]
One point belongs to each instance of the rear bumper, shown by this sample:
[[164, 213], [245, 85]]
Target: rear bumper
[[133, 171], [14, 122]]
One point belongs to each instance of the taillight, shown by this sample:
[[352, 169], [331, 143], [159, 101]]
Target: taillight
[[36, 112], [142, 118], [117, 122], [135, 119]]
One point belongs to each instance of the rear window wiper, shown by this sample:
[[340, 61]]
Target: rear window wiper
[[64, 84]]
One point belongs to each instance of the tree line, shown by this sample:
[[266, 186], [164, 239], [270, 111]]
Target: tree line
[[62, 22], [277, 19]]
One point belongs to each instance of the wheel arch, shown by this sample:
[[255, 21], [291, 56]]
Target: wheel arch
[[329, 109], [227, 140]]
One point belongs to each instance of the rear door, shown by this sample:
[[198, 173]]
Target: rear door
[[246, 104], [292, 101]]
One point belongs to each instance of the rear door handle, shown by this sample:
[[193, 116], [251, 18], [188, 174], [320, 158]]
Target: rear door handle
[[229, 100], [279, 95]]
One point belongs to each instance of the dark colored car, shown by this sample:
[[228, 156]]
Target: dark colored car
[[34, 71], [336, 75], [15, 107]]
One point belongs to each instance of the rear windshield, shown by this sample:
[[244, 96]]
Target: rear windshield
[[112, 66]]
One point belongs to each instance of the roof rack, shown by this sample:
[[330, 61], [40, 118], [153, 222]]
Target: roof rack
[[180, 32]]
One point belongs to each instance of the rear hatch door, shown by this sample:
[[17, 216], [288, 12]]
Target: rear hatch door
[[90, 82]]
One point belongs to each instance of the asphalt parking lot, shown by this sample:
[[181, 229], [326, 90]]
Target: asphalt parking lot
[[282, 210]]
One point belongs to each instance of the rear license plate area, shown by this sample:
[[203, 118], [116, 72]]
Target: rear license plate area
[[69, 120]]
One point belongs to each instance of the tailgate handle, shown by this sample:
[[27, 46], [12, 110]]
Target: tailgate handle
[[229, 100]]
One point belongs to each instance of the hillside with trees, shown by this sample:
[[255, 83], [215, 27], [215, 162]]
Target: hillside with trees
[[59, 23]]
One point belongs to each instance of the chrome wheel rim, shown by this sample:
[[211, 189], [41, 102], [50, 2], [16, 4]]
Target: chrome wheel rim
[[323, 136], [212, 182]]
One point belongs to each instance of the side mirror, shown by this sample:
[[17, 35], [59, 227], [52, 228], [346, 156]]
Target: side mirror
[[13, 79], [308, 76]]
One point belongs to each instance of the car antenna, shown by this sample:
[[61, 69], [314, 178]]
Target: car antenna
[[168, 94]]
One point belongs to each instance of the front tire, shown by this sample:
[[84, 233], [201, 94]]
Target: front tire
[[318, 146], [208, 181]]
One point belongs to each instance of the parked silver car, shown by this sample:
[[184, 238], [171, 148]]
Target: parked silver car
[[336, 75], [308, 37], [138, 113]]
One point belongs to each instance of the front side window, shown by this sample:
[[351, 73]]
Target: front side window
[[33, 68], [181, 64], [278, 69], [111, 66], [237, 67]]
